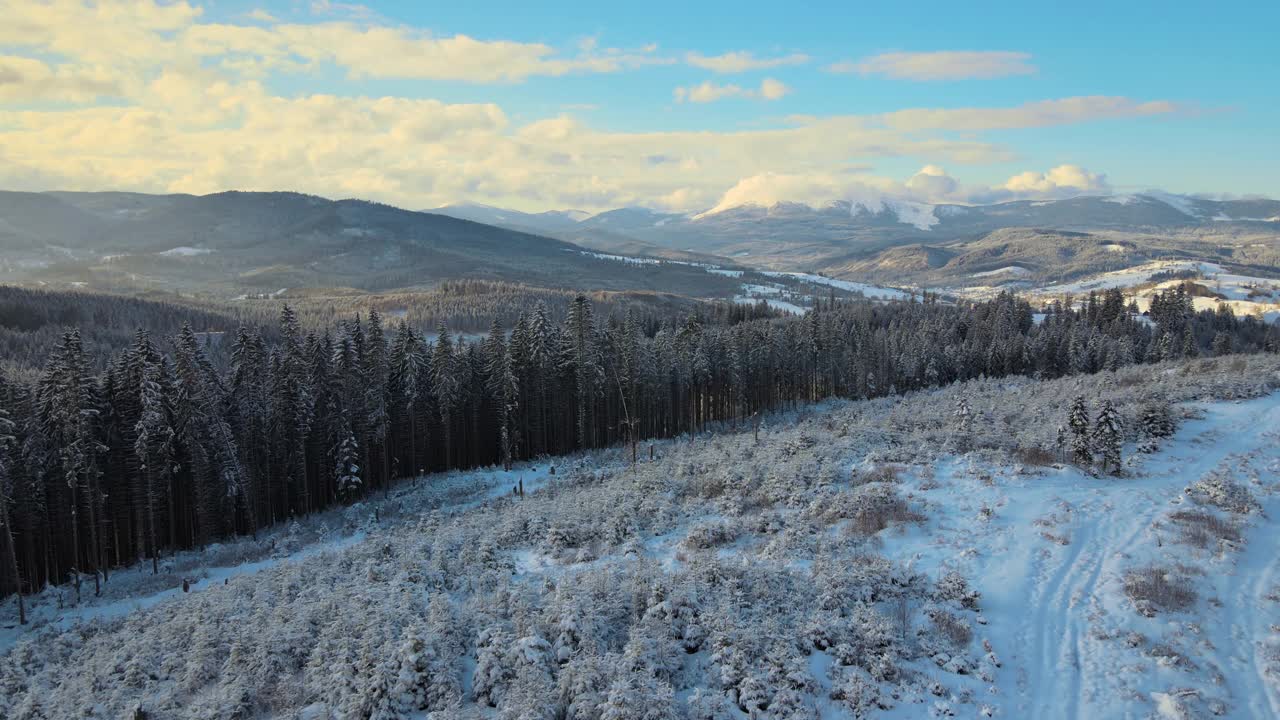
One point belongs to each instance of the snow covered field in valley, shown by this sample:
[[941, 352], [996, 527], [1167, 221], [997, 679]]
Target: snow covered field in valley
[[888, 558], [792, 292], [1244, 294]]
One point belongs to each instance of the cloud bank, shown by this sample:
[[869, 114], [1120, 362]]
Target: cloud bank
[[930, 185], [769, 89], [154, 98]]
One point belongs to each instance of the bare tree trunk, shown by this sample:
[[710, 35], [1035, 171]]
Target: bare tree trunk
[[151, 521], [13, 560], [75, 538]]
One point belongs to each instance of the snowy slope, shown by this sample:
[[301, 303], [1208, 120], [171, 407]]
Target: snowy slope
[[1050, 550], [861, 559], [324, 534], [1244, 294]]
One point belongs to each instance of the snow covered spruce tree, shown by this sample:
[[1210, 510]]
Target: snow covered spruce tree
[[964, 422], [67, 413], [347, 470], [153, 445], [1107, 437], [1081, 442], [1155, 422]]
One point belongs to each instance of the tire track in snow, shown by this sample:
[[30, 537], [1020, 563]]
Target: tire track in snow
[[1248, 604], [1068, 673], [1064, 669], [1245, 608]]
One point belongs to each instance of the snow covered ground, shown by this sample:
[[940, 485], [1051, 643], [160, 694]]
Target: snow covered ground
[[136, 588], [871, 291], [794, 292], [185, 251], [1244, 294], [1049, 550], [862, 559]]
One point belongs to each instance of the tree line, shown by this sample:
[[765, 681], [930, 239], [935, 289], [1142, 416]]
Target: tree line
[[167, 450]]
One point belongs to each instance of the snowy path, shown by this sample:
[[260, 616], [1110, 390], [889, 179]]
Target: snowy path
[[1253, 586], [1246, 660], [1050, 562]]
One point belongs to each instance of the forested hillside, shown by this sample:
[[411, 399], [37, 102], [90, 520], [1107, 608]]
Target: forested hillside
[[243, 243], [32, 320], [165, 450]]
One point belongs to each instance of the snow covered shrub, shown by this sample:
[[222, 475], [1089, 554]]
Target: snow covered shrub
[[871, 508], [951, 628], [1155, 588], [878, 473], [1202, 529], [705, 536], [866, 635], [581, 686], [858, 692], [635, 696], [1035, 455], [291, 541], [680, 613], [559, 538], [1220, 491], [413, 657], [494, 670], [798, 445], [707, 704], [650, 652], [706, 486], [954, 588], [790, 484]]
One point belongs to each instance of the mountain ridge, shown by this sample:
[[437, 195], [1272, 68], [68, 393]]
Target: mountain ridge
[[254, 242]]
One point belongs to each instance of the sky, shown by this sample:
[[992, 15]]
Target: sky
[[682, 106]]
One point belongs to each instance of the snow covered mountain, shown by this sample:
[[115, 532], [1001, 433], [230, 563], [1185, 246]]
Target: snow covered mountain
[[788, 233], [490, 215]]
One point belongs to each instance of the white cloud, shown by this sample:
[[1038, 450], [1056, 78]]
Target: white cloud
[[737, 62], [944, 65], [192, 110], [1061, 181], [135, 38], [1035, 114], [771, 89], [933, 183], [930, 185], [24, 79], [706, 92]]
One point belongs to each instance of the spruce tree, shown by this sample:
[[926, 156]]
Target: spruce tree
[[153, 447], [67, 413], [1155, 422], [1107, 437], [445, 377], [585, 365], [1078, 421], [7, 442], [347, 463]]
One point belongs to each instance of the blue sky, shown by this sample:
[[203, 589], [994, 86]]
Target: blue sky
[[674, 105]]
